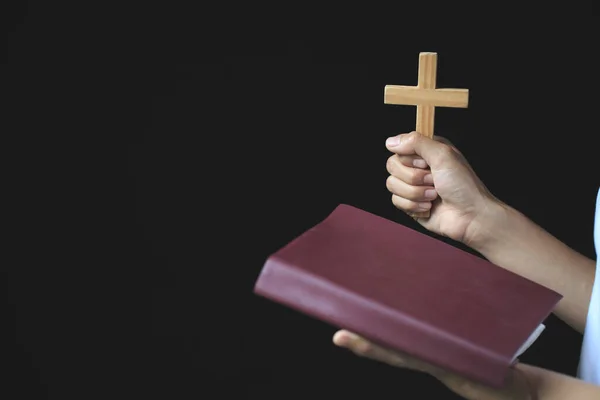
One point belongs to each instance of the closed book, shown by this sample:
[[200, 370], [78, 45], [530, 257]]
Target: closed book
[[409, 292]]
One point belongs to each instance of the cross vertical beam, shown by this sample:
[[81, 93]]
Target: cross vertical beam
[[427, 80]]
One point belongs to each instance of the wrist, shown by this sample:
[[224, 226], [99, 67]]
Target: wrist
[[492, 228]]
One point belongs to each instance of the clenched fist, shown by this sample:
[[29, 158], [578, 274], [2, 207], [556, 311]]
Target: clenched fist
[[432, 175]]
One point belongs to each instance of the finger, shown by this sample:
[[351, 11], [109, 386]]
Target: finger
[[412, 161], [413, 176], [410, 206], [434, 152], [364, 348], [415, 193], [471, 390]]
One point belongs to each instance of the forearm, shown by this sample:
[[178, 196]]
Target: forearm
[[517, 244], [550, 385]]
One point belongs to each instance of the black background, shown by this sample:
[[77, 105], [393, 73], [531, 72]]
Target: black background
[[162, 155]]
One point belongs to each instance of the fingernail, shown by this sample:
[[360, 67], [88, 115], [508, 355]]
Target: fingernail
[[430, 193], [419, 163], [424, 206], [344, 338], [338, 338], [428, 179], [393, 141]]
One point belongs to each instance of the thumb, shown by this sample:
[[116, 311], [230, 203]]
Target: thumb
[[434, 152]]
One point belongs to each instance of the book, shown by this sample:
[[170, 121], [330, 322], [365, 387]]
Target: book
[[410, 292]]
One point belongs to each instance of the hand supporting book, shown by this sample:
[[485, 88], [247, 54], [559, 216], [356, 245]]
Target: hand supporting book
[[517, 386]]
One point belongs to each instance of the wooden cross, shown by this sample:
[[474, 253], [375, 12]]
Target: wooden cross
[[426, 97]]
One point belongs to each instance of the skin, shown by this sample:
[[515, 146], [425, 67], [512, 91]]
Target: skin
[[463, 209], [431, 174], [523, 382]]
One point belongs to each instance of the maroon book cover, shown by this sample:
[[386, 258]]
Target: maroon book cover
[[408, 291]]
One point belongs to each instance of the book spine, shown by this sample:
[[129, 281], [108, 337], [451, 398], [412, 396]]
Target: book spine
[[328, 302]]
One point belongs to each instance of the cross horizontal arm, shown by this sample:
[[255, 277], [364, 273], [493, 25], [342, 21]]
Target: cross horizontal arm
[[415, 96]]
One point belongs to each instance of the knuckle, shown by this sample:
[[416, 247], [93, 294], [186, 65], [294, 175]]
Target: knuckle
[[364, 348], [405, 203], [397, 361], [412, 137], [412, 206], [415, 192], [443, 140], [390, 164], [466, 389], [446, 150], [414, 177], [389, 183]]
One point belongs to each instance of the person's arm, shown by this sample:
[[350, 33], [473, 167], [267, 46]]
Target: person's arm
[[523, 382], [550, 385], [512, 241]]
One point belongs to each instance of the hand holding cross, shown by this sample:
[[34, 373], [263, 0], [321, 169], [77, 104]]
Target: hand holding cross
[[426, 97]]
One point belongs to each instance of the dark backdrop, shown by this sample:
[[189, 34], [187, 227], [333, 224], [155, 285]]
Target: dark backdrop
[[196, 152]]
